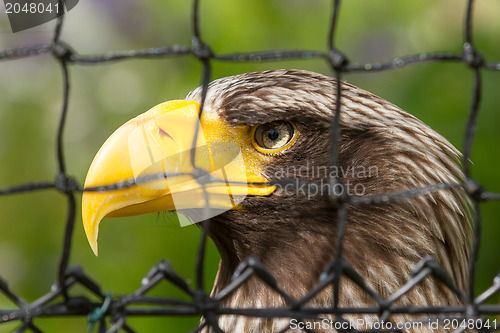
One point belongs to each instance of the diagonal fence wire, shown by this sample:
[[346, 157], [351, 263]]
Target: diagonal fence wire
[[118, 309]]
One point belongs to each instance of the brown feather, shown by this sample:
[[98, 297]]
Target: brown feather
[[294, 235]]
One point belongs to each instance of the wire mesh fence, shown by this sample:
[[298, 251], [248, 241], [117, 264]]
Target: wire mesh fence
[[110, 314]]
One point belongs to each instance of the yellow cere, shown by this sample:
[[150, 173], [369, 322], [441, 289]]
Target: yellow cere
[[159, 142]]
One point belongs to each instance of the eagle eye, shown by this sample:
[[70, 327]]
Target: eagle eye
[[274, 136]]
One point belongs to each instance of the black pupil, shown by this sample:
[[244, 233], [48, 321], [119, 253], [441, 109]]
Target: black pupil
[[273, 134]]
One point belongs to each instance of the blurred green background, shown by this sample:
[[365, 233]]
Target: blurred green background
[[105, 96]]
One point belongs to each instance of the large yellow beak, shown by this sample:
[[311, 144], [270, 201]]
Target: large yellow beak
[[154, 149]]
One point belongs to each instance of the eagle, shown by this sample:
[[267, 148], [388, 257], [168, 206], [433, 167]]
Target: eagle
[[265, 137]]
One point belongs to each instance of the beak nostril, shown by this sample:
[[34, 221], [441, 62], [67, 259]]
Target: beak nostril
[[162, 133]]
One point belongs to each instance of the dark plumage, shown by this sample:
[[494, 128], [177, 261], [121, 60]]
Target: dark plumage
[[294, 234], [276, 126]]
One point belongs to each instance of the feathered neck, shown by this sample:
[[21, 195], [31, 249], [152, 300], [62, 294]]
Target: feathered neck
[[294, 234]]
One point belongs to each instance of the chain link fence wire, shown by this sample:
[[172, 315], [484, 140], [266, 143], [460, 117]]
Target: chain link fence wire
[[111, 313]]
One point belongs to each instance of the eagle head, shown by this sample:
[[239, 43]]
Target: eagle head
[[259, 156]]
